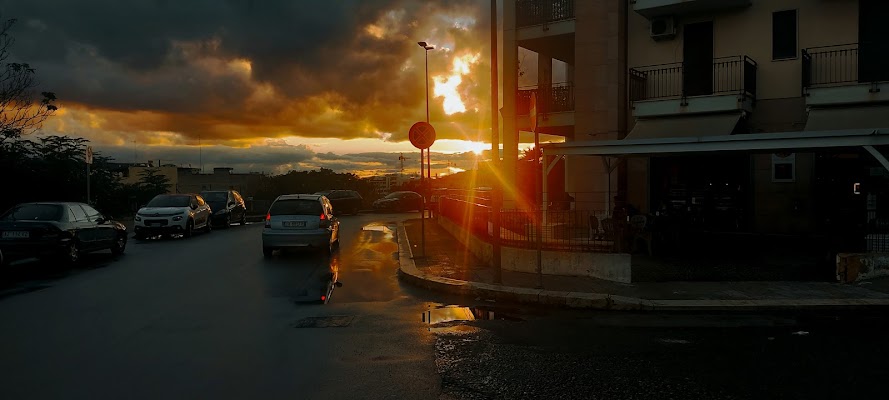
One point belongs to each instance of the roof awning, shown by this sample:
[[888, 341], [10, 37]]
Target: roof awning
[[686, 126], [760, 142], [826, 119]]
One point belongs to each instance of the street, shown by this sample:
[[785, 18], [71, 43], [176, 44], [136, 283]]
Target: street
[[209, 317]]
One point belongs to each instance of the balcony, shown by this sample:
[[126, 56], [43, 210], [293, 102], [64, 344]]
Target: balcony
[[660, 8], [555, 106], [542, 12], [841, 74], [728, 84], [544, 24]]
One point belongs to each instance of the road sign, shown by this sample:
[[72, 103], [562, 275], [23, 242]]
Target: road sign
[[89, 154], [422, 135], [533, 112]]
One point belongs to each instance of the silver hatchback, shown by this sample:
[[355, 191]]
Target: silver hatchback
[[300, 220]]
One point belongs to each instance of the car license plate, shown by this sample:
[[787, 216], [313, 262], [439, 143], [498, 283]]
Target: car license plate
[[294, 224], [16, 235]]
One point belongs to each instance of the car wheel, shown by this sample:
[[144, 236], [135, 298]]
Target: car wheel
[[119, 245], [208, 227], [189, 228], [267, 252], [243, 218], [228, 221]]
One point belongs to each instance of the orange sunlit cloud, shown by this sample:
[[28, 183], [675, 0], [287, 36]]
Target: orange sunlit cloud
[[448, 86]]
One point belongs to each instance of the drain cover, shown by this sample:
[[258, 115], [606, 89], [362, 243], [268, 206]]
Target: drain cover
[[333, 321]]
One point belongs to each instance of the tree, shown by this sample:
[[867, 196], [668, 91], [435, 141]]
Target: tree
[[22, 111], [152, 183]]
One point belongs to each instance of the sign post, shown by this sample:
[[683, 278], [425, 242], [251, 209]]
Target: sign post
[[89, 162], [422, 136], [538, 196]]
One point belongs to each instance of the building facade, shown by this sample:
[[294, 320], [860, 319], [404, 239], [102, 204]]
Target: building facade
[[653, 72]]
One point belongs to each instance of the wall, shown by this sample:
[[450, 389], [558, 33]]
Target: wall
[[134, 175], [783, 207], [612, 267], [246, 184]]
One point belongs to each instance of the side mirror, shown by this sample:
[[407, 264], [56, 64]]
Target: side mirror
[[194, 206], [338, 284], [231, 204], [100, 221]]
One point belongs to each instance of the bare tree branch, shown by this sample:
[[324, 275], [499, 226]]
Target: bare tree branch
[[22, 109]]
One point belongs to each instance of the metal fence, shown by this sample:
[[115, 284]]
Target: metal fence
[[557, 98], [538, 12], [830, 65], [568, 229], [735, 74]]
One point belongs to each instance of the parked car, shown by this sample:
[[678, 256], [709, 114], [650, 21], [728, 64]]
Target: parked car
[[300, 220], [168, 214], [400, 202], [344, 201], [58, 230], [227, 205]]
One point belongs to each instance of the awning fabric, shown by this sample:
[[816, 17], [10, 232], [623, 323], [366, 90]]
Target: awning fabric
[[686, 126], [829, 119]]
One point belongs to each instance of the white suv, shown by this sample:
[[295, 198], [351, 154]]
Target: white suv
[[172, 214]]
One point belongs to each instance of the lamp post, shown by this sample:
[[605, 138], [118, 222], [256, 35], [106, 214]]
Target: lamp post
[[426, 47]]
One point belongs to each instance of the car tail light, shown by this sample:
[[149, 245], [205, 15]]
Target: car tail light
[[324, 222], [268, 220]]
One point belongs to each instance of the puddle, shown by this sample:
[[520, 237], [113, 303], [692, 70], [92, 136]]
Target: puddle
[[457, 313]]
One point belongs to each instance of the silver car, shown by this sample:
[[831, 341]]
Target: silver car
[[300, 220]]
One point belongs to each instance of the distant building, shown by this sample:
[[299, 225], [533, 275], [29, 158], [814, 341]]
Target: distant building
[[385, 184], [190, 180]]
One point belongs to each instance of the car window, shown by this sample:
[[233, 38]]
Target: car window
[[91, 213], [34, 212], [79, 214], [296, 207], [214, 196], [164, 200]]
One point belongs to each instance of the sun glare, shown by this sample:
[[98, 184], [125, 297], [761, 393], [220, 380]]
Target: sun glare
[[447, 86], [476, 147]]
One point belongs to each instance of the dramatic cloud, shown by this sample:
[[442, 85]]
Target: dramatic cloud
[[234, 72]]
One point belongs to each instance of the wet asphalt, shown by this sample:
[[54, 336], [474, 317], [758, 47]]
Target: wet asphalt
[[209, 317]]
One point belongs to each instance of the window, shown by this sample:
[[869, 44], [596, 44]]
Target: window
[[296, 207], [784, 167], [784, 35], [91, 213], [79, 214]]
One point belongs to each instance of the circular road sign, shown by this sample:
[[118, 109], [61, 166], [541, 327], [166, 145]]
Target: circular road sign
[[422, 135]]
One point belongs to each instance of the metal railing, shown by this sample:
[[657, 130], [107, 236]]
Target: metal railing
[[538, 12], [735, 74], [557, 98], [830, 65], [560, 229]]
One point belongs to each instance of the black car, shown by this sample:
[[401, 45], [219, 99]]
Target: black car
[[57, 230], [400, 202], [344, 201], [227, 205]]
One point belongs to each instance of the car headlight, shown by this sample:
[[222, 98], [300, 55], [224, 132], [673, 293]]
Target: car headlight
[[138, 218], [177, 218]]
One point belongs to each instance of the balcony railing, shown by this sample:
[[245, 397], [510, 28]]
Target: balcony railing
[[557, 98], [537, 12], [736, 74], [830, 65]]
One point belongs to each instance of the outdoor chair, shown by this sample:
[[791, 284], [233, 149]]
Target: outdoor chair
[[640, 231]]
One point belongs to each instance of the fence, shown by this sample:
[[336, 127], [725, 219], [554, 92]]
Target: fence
[[829, 65], [557, 98], [563, 229], [538, 12], [735, 74]]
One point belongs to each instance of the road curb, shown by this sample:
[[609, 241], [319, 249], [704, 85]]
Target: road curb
[[409, 272]]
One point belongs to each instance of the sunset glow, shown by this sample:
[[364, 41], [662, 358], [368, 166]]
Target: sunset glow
[[448, 86]]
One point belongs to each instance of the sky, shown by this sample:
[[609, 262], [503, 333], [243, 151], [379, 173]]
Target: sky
[[263, 85]]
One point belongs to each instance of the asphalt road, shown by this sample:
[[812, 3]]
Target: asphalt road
[[209, 317]]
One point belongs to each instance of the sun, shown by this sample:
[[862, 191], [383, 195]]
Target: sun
[[475, 147]]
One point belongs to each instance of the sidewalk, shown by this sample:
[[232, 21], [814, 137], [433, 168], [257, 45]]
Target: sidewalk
[[449, 267]]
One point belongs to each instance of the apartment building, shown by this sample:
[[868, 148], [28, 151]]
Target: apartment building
[[751, 115]]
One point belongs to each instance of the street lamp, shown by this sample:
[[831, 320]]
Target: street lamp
[[426, 47]]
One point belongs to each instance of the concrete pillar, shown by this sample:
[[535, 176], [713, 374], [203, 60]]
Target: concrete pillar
[[600, 99], [569, 74], [510, 90], [544, 72]]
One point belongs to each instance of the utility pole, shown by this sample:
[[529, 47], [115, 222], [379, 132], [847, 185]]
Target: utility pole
[[495, 149]]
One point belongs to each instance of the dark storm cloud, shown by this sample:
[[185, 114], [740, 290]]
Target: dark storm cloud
[[180, 58]]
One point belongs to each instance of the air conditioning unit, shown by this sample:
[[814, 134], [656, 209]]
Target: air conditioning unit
[[662, 28]]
